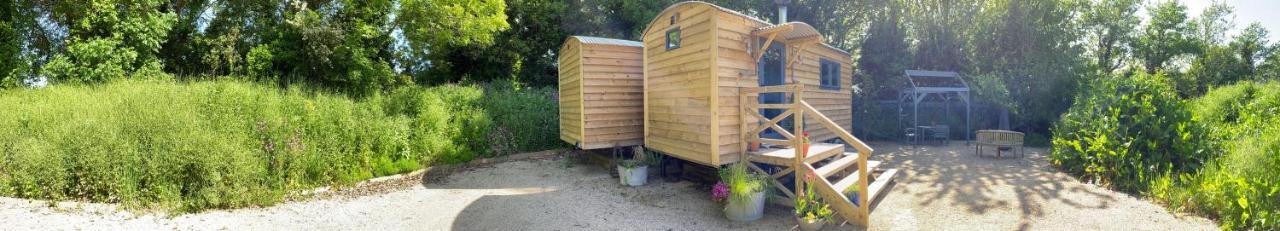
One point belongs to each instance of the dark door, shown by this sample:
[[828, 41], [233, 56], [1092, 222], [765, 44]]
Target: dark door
[[772, 73]]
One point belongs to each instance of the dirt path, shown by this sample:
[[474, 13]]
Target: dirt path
[[940, 189]]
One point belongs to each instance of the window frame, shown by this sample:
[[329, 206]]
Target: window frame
[[829, 68], [679, 38]]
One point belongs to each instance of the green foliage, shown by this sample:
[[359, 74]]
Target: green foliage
[[1165, 36], [1015, 46], [1217, 66], [225, 144], [884, 55], [93, 61], [810, 207], [436, 23], [10, 48], [742, 182], [524, 117], [109, 40], [1125, 132], [1239, 188], [341, 53], [1109, 28]]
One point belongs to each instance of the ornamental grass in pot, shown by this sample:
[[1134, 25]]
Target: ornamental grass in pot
[[743, 192], [635, 171]]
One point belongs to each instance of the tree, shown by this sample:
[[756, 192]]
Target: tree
[[109, 40], [884, 54], [1109, 27], [1252, 47], [181, 51], [1217, 65], [525, 51], [10, 45], [1031, 46], [941, 29], [342, 45], [1212, 25], [1165, 36]]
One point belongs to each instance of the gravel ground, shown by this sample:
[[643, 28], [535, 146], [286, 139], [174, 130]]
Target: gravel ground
[[940, 188]]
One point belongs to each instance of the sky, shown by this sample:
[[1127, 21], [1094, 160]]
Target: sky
[[1266, 12]]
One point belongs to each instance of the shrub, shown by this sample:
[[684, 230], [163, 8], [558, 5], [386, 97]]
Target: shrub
[[1128, 131], [1241, 188], [524, 119], [224, 144]]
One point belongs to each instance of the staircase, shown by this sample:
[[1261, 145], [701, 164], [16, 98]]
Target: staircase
[[835, 171]]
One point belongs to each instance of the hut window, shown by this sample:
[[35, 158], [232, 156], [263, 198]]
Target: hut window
[[830, 74], [673, 38]]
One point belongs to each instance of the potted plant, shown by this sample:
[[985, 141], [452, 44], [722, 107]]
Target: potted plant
[[745, 192], [804, 146], [852, 193], [811, 212], [635, 171]]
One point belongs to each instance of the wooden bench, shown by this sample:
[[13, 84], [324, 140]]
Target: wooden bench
[[1001, 140]]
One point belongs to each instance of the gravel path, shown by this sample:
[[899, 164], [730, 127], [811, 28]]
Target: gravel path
[[940, 188]]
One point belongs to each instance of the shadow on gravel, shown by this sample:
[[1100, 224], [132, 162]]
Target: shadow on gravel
[[955, 173]]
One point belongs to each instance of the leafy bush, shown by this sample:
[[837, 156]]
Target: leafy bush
[[1242, 188], [1128, 131], [224, 144], [526, 118]]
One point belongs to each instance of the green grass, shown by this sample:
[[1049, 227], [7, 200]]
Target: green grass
[[193, 146]]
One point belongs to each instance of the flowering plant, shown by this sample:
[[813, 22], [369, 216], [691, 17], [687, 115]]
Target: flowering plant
[[806, 136], [719, 192], [808, 206]]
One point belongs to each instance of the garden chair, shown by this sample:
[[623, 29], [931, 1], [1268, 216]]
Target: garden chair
[[942, 133], [911, 135]]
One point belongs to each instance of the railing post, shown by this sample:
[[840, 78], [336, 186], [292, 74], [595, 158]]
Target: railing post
[[743, 109], [797, 139]]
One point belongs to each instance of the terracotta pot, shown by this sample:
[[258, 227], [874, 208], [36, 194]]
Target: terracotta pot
[[809, 225], [753, 146], [804, 150]]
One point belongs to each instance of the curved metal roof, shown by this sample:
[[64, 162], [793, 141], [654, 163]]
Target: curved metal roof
[[798, 30], [607, 41]]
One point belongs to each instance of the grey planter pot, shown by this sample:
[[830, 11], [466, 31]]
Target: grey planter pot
[[637, 176], [748, 210]]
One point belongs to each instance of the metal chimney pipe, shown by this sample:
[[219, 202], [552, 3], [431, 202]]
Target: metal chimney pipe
[[782, 10]]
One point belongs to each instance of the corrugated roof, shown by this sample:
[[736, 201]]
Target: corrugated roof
[[923, 73], [608, 41], [798, 30]]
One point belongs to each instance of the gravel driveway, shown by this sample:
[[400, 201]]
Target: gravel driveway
[[940, 188]]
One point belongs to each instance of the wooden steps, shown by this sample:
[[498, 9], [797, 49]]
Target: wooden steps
[[836, 170], [877, 187], [846, 173], [784, 156]]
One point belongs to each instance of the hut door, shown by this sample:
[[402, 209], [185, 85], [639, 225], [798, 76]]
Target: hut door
[[772, 72]]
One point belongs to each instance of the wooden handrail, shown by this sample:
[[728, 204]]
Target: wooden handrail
[[843, 134]]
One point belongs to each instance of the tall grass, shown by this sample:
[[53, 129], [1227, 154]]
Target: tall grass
[[195, 146], [1242, 187]]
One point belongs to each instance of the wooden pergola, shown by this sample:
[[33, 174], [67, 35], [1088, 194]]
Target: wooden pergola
[[943, 84]]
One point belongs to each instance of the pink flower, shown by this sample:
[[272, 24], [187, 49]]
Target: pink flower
[[719, 192]]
